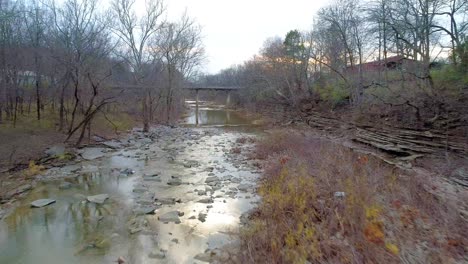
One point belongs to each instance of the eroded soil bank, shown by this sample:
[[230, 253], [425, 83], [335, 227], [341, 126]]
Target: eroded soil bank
[[173, 195]]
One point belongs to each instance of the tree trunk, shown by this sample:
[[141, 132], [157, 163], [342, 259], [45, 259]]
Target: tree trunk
[[15, 111], [75, 107], [62, 109], [38, 100], [145, 114]]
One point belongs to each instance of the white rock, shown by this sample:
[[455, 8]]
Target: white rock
[[99, 199], [42, 202]]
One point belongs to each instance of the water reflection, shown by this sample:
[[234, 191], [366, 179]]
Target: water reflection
[[69, 231], [213, 115]]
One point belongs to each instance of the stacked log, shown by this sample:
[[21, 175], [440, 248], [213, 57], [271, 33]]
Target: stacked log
[[410, 142], [392, 140]]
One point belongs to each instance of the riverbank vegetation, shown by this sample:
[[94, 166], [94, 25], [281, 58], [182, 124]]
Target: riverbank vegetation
[[324, 203], [401, 62], [64, 63], [70, 70]]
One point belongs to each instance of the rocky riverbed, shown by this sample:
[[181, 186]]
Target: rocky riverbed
[[173, 195]]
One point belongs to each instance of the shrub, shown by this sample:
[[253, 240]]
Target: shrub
[[384, 216]]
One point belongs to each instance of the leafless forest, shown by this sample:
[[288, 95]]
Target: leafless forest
[[66, 62]]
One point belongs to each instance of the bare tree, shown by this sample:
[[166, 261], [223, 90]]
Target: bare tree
[[135, 34], [457, 28], [36, 25], [180, 48], [83, 37], [343, 19]]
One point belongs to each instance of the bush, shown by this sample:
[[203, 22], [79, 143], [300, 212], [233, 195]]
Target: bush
[[384, 216]]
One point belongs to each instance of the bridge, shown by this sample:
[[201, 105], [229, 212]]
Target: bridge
[[197, 89], [227, 89]]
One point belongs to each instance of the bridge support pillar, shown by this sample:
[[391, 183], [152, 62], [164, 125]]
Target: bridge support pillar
[[196, 106], [228, 98]]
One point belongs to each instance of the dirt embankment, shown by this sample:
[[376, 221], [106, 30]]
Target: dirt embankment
[[18, 147]]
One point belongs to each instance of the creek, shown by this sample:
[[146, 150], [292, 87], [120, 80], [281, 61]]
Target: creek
[[175, 195]]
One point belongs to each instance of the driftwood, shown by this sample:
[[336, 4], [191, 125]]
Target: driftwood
[[393, 140]]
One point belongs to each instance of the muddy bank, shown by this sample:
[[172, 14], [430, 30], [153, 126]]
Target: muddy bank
[[175, 195]]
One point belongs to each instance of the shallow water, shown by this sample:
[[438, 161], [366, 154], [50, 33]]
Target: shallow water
[[214, 115], [73, 230]]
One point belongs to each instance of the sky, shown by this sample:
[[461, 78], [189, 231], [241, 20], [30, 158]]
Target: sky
[[235, 30]]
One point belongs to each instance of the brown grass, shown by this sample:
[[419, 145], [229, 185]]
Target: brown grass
[[386, 216]]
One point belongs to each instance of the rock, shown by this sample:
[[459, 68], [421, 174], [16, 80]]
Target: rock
[[65, 185], [149, 178], [339, 194], [191, 164], [202, 217], [166, 200], [42, 202], [128, 172], [145, 202], [70, 169], [236, 180], [145, 210], [157, 255], [174, 182], [211, 179], [205, 257], [201, 192], [172, 216], [135, 230], [92, 153], [140, 190], [210, 169], [98, 199], [244, 218], [193, 217], [175, 240], [244, 187], [206, 200], [112, 144], [56, 150]]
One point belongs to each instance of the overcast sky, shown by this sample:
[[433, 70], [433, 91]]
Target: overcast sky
[[234, 30]]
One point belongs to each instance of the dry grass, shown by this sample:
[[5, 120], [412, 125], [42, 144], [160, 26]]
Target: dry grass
[[385, 215]]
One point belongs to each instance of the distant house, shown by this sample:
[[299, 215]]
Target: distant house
[[391, 63]]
